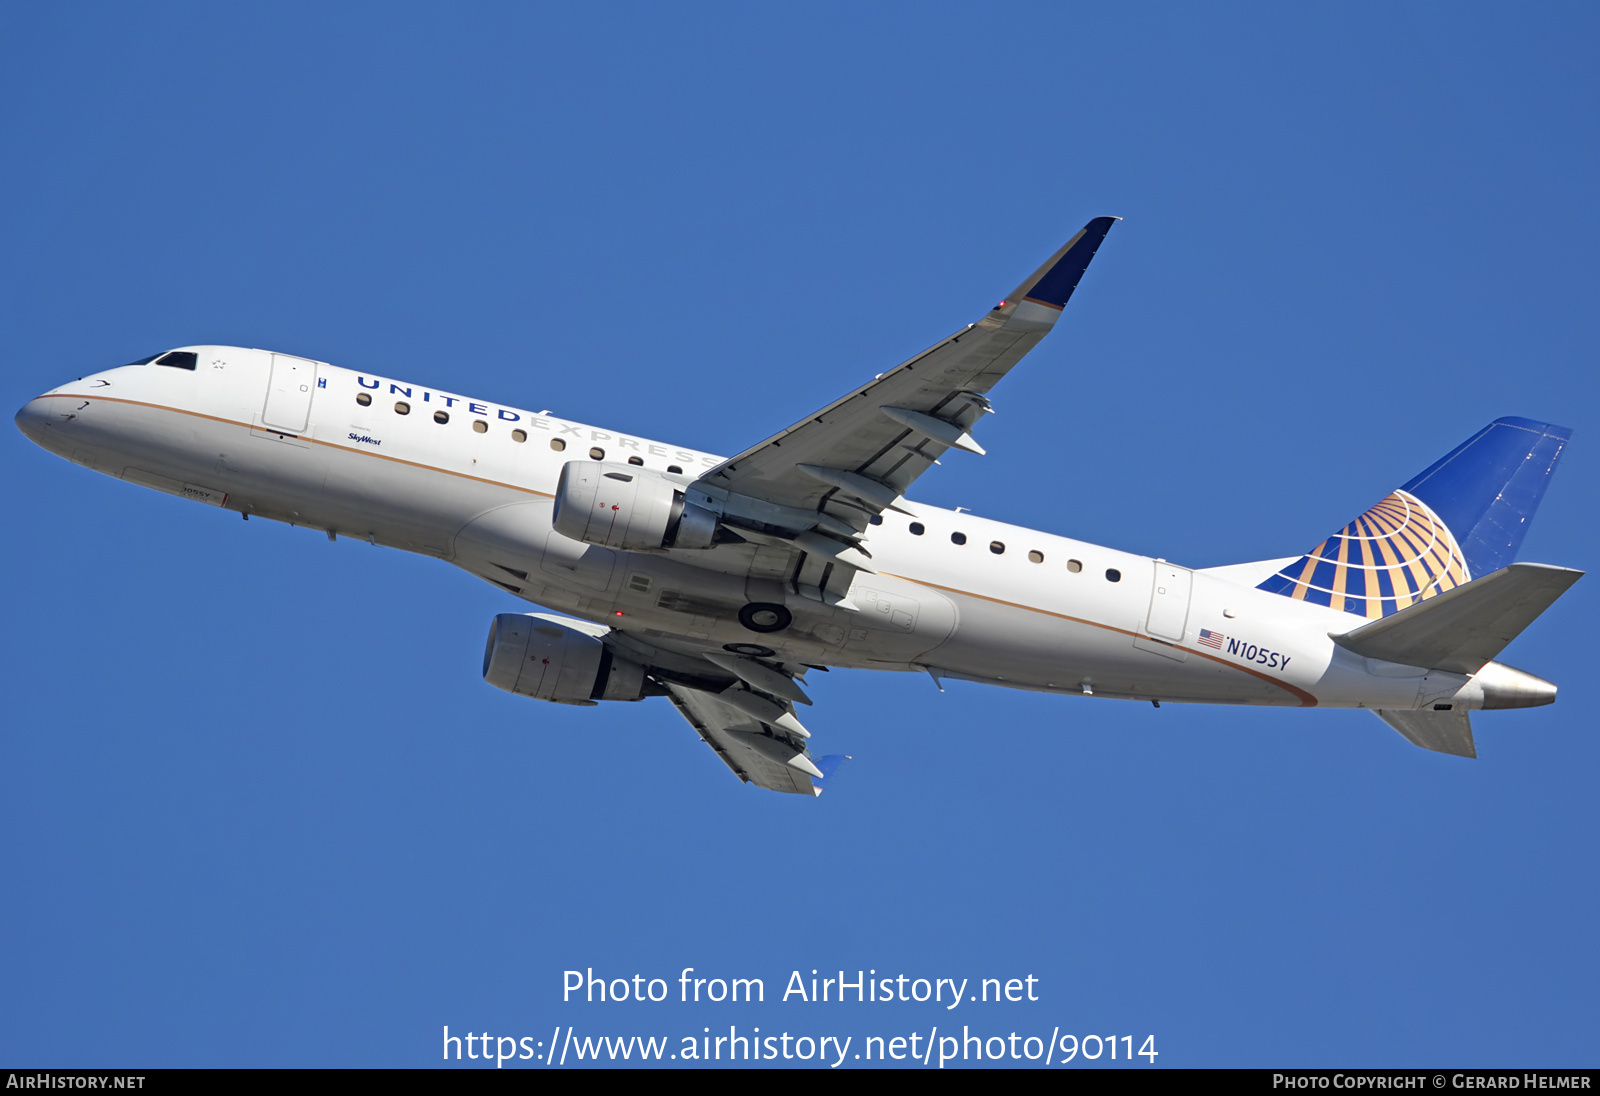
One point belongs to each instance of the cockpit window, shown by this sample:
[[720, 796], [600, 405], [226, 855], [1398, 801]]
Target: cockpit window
[[180, 359], [146, 361]]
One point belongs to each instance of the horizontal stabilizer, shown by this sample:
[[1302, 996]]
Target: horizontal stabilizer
[[1444, 732], [1461, 629]]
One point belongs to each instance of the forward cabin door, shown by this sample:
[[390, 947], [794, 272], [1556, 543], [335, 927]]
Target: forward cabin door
[[1169, 601], [289, 393]]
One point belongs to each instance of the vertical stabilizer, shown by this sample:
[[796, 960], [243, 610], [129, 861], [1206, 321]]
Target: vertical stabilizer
[[1461, 518]]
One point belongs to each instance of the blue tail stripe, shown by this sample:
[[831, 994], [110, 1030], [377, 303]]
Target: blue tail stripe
[[1278, 584], [1462, 518], [1487, 488]]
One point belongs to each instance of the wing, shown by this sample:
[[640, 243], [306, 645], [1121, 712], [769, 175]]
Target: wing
[[814, 487], [744, 708], [757, 753]]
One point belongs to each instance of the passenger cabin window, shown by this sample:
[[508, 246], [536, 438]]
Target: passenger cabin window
[[636, 461], [958, 538], [441, 417], [875, 519], [519, 435], [363, 399], [557, 444], [597, 453], [479, 426], [675, 470], [997, 548], [401, 407], [1113, 575], [178, 359], [1074, 566], [1035, 557], [917, 528]]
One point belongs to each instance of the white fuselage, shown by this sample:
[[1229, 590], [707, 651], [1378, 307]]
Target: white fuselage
[[1009, 606]]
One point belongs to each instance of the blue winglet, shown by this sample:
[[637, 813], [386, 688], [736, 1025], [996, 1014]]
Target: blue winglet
[[1053, 287], [829, 765]]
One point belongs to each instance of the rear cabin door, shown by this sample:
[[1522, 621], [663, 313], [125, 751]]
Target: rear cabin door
[[1169, 601], [289, 393]]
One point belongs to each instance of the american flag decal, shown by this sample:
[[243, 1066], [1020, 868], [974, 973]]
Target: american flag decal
[[1211, 639]]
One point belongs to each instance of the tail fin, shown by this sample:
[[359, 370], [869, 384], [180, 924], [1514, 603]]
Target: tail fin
[[1463, 517]]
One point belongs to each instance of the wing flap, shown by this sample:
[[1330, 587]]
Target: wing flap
[[1463, 628], [733, 734]]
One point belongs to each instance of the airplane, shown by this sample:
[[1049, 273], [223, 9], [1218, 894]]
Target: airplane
[[721, 583]]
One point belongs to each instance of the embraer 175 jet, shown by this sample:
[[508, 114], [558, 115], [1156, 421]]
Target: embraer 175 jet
[[719, 583]]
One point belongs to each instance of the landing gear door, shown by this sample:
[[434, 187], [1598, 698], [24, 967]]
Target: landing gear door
[[1169, 601], [289, 393]]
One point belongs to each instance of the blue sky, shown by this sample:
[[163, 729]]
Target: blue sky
[[260, 808]]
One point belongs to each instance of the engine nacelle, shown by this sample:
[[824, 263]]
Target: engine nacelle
[[534, 657], [627, 507]]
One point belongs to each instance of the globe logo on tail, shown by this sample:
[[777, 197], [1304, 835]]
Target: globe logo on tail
[[1394, 555]]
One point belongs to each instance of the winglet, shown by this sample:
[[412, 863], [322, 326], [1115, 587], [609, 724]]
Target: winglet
[[1052, 284], [829, 765]]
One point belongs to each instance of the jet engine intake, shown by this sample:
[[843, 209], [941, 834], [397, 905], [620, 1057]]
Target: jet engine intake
[[627, 507], [534, 657]]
